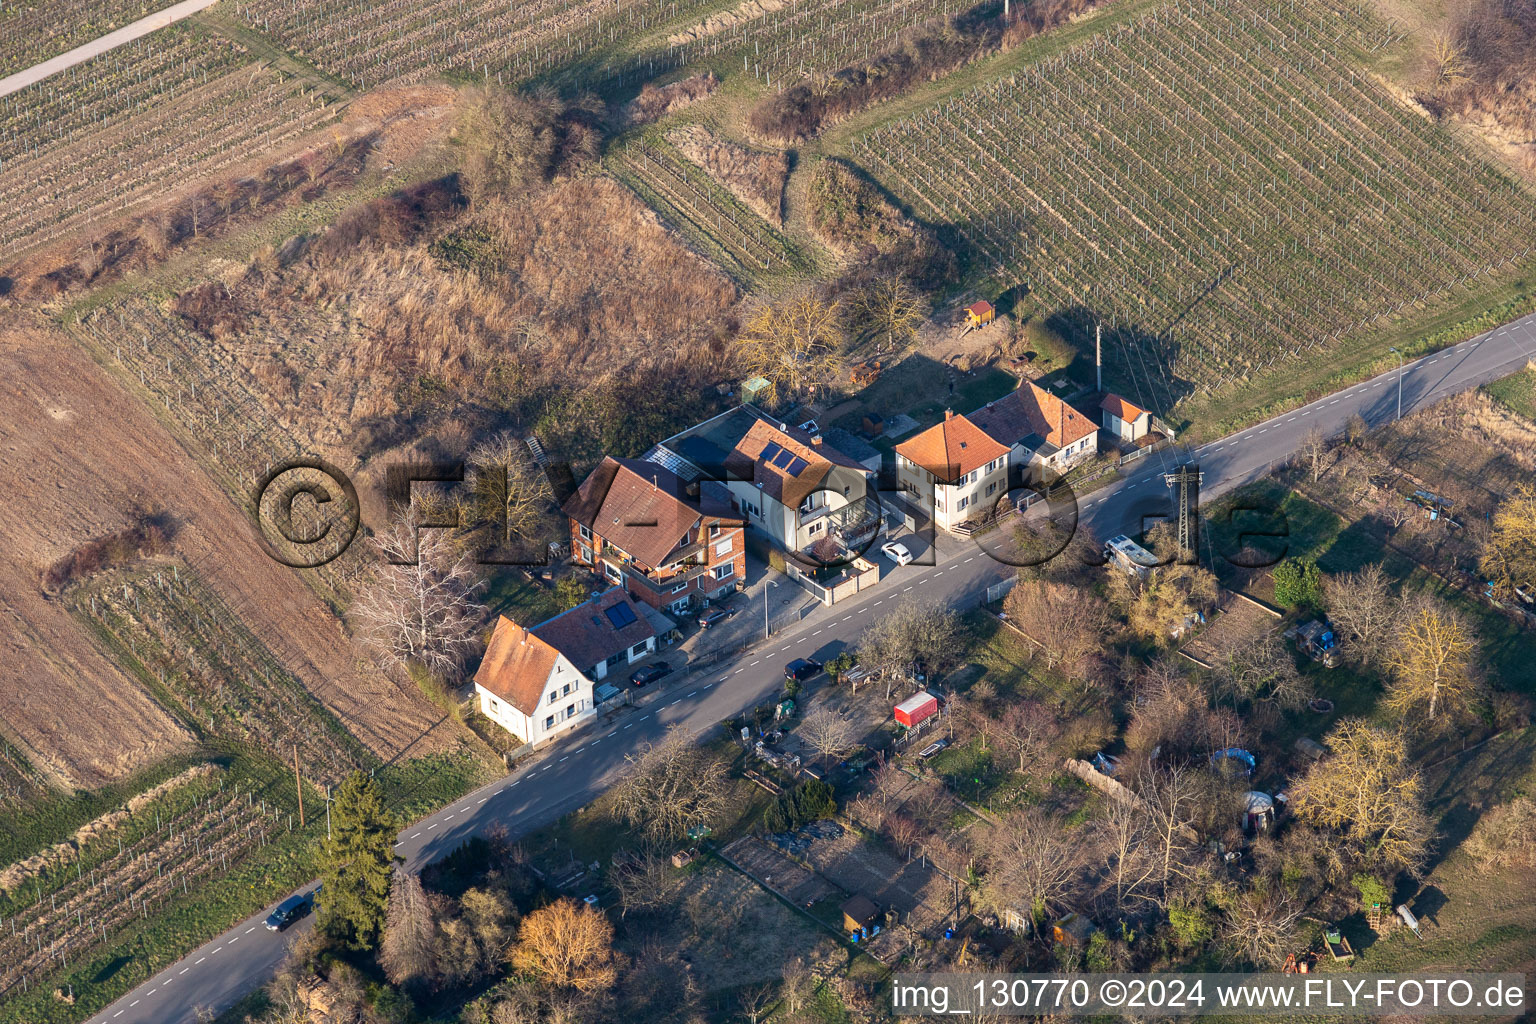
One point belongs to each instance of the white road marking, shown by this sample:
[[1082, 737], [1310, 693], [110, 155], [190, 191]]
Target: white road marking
[[939, 573], [151, 991], [678, 701], [817, 633], [434, 824], [250, 929], [483, 799], [415, 834], [759, 661], [691, 694], [878, 603], [450, 817], [214, 950], [232, 940], [119, 1013], [631, 725], [136, 1002], [905, 589], [564, 759], [184, 970], [199, 960]]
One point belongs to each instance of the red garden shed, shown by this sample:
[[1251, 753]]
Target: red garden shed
[[921, 705]]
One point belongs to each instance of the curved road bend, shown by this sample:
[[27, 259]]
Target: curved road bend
[[96, 47], [571, 774]]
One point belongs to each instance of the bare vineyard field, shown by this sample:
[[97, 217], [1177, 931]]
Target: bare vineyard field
[[404, 41], [213, 400], [43, 29], [1217, 184], [19, 782], [701, 209], [89, 141], [806, 38], [123, 874], [168, 628]]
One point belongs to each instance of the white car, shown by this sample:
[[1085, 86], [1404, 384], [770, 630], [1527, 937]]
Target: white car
[[896, 552]]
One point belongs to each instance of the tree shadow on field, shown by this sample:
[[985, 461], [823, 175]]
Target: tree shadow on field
[[1138, 363]]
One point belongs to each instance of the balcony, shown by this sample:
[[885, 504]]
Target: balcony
[[663, 584]]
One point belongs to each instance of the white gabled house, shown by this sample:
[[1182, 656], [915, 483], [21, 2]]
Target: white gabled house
[[538, 683]]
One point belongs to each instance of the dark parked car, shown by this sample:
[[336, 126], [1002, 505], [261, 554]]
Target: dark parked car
[[715, 615], [290, 910], [801, 669], [650, 673]]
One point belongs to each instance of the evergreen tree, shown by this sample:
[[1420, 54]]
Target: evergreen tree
[[1298, 584], [358, 860]]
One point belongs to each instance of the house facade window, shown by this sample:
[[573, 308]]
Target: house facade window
[[723, 548], [960, 505], [554, 695], [565, 690], [724, 572], [680, 587], [991, 489], [815, 527], [570, 710], [586, 553], [549, 723], [637, 650], [585, 533]]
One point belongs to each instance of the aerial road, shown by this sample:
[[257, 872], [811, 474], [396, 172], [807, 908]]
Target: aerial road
[[572, 772]]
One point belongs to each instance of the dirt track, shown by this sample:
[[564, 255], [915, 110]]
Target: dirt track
[[81, 456]]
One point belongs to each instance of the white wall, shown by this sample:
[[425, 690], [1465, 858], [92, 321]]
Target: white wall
[[533, 728]]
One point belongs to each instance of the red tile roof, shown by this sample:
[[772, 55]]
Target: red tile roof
[[516, 665], [1032, 410], [951, 448], [745, 460], [643, 509], [1117, 406], [980, 307]]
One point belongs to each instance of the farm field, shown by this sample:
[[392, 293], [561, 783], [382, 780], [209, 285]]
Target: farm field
[[92, 140], [406, 41], [41, 30], [809, 37], [698, 207], [1271, 201]]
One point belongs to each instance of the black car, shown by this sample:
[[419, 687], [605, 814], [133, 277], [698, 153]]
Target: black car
[[290, 910], [715, 615], [801, 669], [650, 673]]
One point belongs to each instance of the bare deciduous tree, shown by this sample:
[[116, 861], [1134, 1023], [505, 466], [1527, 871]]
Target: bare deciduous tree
[[670, 786], [1069, 623], [894, 308], [568, 945], [1433, 661], [1262, 669], [646, 881], [1313, 447], [1035, 867], [1362, 607], [914, 631], [510, 498], [1029, 728], [422, 607], [793, 344], [828, 732], [1367, 794], [1261, 927], [1509, 559]]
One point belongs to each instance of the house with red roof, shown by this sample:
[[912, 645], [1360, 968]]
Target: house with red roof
[[962, 465], [1125, 419], [671, 543], [538, 683], [953, 468], [785, 481]]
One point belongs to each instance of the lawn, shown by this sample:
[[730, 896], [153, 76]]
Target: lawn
[[510, 592], [1517, 391]]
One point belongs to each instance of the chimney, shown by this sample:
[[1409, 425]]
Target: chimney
[[816, 439], [949, 414]]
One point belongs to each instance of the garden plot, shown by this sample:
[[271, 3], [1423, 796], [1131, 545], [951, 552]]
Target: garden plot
[[1237, 622], [1219, 185], [916, 889], [773, 868]]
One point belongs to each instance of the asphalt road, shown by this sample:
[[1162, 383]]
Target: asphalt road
[[574, 771], [96, 47]]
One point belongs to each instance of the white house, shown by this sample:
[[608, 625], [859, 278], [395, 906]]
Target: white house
[[953, 470], [537, 683], [1125, 420], [1040, 430], [788, 483]]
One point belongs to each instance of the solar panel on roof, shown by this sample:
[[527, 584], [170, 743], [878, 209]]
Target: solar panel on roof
[[797, 467], [772, 451], [620, 615], [784, 459]]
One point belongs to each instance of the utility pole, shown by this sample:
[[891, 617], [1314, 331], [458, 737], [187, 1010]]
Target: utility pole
[[327, 810], [1187, 479], [1399, 384], [767, 632], [1098, 355], [298, 784]]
